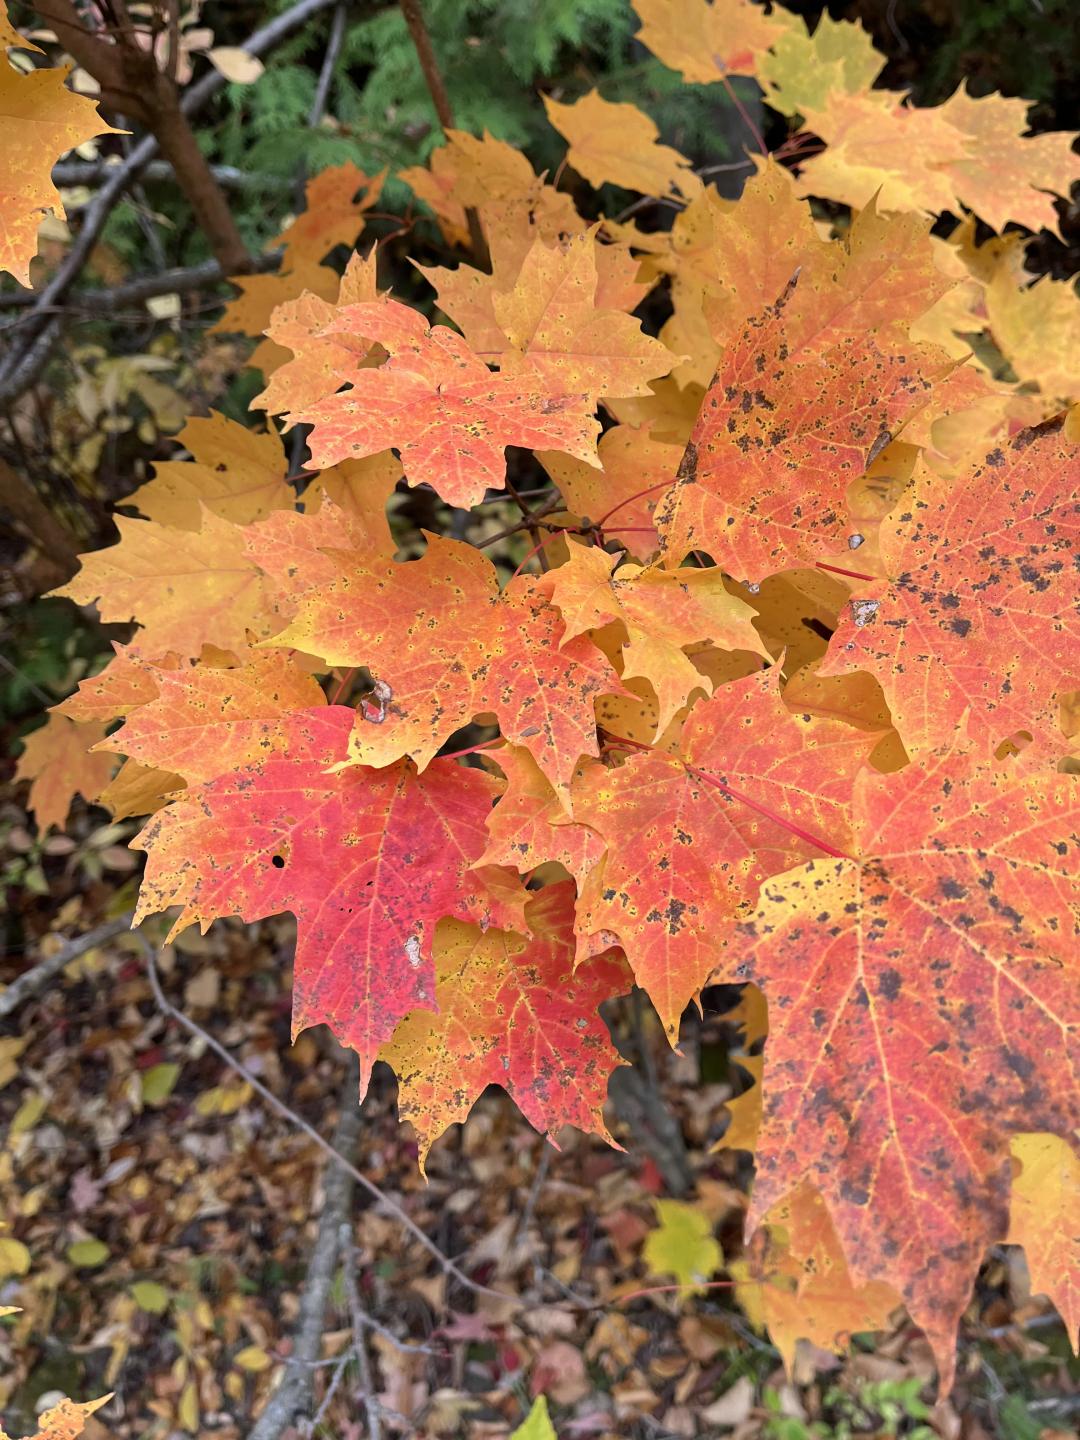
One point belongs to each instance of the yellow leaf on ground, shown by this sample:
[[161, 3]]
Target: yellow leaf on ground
[[537, 1424], [682, 1245]]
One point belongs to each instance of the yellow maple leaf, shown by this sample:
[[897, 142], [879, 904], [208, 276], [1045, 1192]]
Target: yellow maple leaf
[[1043, 1219], [233, 470], [707, 40], [49, 120], [618, 144]]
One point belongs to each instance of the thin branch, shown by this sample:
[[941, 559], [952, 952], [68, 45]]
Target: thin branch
[[322, 89], [70, 173], [379, 1196], [31, 981], [359, 1319], [25, 362], [179, 281], [292, 1399], [425, 53]]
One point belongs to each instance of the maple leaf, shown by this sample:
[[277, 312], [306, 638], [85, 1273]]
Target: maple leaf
[[683, 1245], [440, 407], [661, 611], [554, 323], [233, 471], [139, 790], [448, 646], [528, 827], [367, 860], [804, 399], [796, 1283], [119, 686], [252, 311], [56, 762], [1004, 174], [319, 360], [50, 120], [690, 837], [707, 40], [965, 152], [183, 588], [203, 722], [981, 612], [634, 469], [1037, 329], [727, 263], [489, 175], [552, 320], [302, 551], [332, 215], [617, 144], [918, 997], [360, 488], [512, 1011], [877, 146], [801, 70], [1042, 1218]]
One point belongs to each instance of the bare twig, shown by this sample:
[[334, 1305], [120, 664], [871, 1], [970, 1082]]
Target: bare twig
[[380, 1197], [292, 1399], [36, 979], [68, 174], [177, 281], [359, 1316], [425, 53], [322, 89]]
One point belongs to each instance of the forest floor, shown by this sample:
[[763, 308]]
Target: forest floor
[[161, 1218]]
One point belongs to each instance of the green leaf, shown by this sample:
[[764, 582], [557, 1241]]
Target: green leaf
[[150, 1296], [88, 1254], [158, 1083]]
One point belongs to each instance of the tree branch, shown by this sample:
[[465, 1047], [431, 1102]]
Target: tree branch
[[178, 280], [68, 173], [23, 364], [31, 981], [425, 53], [31, 515], [292, 1399]]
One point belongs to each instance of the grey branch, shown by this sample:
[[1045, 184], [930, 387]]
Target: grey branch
[[71, 173], [177, 281], [36, 979], [291, 1401], [25, 361]]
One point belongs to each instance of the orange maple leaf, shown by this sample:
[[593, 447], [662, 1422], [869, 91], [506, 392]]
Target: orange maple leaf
[[916, 995], [440, 407], [56, 761], [691, 836], [446, 646], [804, 399], [49, 120], [981, 612]]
